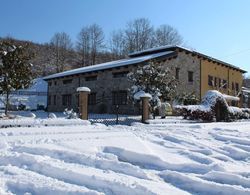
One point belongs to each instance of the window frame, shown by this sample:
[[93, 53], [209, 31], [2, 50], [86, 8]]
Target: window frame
[[91, 78], [66, 99], [210, 81], [54, 100], [177, 73], [121, 74], [120, 97], [237, 87], [92, 99], [190, 76], [67, 81], [224, 84], [49, 100]]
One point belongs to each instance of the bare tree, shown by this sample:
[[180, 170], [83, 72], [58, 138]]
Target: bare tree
[[83, 46], [90, 43], [61, 44], [167, 35], [138, 35], [117, 44]]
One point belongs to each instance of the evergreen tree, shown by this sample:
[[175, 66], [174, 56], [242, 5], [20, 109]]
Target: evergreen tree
[[154, 79], [15, 69]]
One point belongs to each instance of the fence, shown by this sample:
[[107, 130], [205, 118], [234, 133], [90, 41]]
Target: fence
[[113, 119]]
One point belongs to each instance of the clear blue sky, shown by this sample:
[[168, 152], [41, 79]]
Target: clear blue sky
[[219, 28]]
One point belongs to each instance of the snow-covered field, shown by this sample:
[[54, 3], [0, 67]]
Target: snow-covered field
[[170, 156]]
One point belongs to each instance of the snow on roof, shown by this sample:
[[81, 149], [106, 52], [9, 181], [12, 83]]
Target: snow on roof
[[157, 49], [108, 65]]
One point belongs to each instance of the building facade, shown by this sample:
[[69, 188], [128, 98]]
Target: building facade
[[109, 85]]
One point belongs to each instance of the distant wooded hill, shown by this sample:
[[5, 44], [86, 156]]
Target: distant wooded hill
[[46, 56]]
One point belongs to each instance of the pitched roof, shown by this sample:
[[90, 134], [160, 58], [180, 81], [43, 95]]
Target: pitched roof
[[109, 65], [139, 57], [180, 48]]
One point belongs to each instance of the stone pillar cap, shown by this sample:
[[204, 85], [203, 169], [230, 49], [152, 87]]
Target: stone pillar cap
[[83, 89], [142, 94]]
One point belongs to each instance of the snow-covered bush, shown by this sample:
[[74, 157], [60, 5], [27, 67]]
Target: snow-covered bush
[[213, 107], [187, 98], [70, 114]]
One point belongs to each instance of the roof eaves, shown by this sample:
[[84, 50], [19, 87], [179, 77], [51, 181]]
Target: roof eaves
[[100, 67]]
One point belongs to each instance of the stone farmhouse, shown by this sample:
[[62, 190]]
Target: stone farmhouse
[[109, 86]]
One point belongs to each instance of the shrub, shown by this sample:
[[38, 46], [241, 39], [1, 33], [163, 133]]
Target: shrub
[[213, 107], [70, 114], [187, 99]]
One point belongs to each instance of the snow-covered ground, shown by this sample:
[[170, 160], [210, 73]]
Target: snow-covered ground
[[168, 156]]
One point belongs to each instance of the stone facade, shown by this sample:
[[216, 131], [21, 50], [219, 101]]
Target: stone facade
[[107, 84], [186, 63]]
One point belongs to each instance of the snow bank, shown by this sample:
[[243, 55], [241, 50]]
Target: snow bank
[[31, 122]]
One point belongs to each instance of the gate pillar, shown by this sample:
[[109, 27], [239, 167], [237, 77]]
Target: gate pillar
[[83, 102], [145, 108]]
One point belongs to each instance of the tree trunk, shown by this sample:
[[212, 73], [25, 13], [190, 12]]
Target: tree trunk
[[7, 103]]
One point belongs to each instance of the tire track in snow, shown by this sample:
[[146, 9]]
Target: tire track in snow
[[227, 178], [148, 161], [197, 185], [88, 177], [101, 161], [20, 181]]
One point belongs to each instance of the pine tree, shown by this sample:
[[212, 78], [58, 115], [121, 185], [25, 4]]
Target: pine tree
[[15, 69], [154, 79]]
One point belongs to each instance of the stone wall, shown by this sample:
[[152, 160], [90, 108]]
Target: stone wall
[[106, 84], [186, 62]]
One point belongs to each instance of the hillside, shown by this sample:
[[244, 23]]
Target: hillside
[[45, 57]]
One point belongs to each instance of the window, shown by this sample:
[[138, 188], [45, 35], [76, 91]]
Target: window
[[190, 76], [177, 73], [120, 74], [119, 97], [91, 78], [92, 99], [224, 83], [237, 87], [220, 84], [49, 83], [49, 100], [55, 83], [233, 87], [215, 82], [210, 80], [68, 81], [54, 100], [66, 100]]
